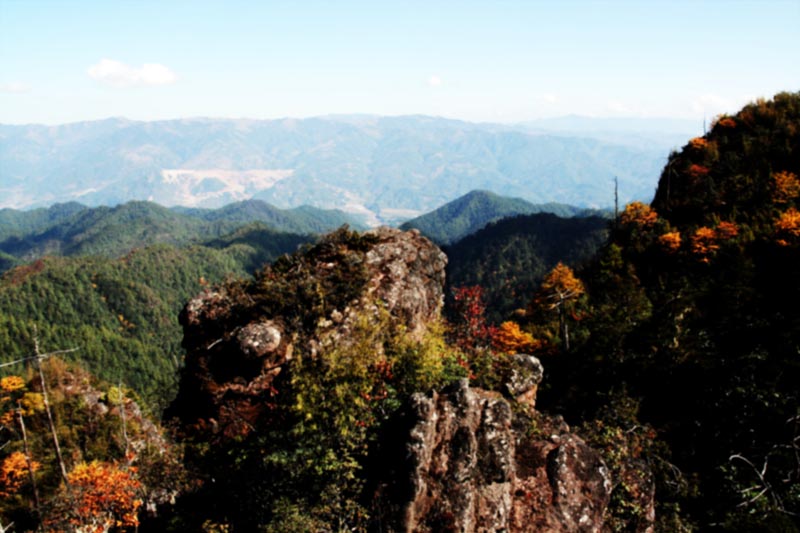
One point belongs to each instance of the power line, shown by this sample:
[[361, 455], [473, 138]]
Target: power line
[[42, 356]]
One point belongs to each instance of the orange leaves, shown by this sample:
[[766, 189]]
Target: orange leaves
[[704, 243], [104, 495], [509, 338], [726, 122], [670, 242], [726, 230], [785, 187], [561, 285], [639, 214], [14, 472], [12, 384], [787, 227], [698, 143]]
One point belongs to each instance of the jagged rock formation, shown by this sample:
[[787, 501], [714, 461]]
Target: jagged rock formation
[[475, 463], [462, 459], [236, 348]]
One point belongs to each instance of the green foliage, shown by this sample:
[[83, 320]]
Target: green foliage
[[304, 461], [473, 211], [122, 314], [509, 258], [73, 229]]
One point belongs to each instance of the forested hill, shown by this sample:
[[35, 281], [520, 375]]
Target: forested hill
[[122, 314], [693, 329], [509, 258], [72, 229], [473, 211]]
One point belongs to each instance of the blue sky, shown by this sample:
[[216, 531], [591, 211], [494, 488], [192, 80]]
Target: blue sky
[[501, 61]]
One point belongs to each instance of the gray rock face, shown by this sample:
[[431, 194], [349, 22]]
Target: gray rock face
[[473, 467], [526, 375], [408, 274]]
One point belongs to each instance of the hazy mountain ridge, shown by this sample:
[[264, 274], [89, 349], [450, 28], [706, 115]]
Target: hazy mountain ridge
[[473, 211], [388, 168]]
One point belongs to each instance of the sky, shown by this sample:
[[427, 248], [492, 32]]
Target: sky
[[491, 61]]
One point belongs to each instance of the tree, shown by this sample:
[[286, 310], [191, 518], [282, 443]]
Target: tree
[[638, 213], [558, 292]]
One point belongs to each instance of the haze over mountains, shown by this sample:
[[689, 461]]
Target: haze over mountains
[[385, 169]]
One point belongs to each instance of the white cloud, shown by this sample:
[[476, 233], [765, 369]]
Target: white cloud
[[14, 88], [549, 98], [434, 81], [118, 74], [712, 104]]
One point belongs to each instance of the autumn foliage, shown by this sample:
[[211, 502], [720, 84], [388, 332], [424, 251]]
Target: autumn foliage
[[704, 243], [509, 338], [785, 187], [471, 329], [14, 472], [698, 171], [698, 143], [105, 496], [558, 292], [787, 227], [640, 214], [560, 286], [671, 241], [726, 122]]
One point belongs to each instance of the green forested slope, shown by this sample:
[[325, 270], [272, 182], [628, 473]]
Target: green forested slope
[[72, 229], [509, 258], [122, 314]]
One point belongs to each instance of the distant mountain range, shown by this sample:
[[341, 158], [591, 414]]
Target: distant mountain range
[[385, 169]]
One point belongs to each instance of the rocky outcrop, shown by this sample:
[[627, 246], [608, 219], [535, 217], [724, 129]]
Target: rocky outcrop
[[461, 459], [474, 464], [239, 337]]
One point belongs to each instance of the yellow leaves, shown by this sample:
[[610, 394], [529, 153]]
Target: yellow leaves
[[787, 227], [31, 402], [785, 187], [12, 384], [509, 338], [670, 242], [14, 472], [561, 284], [639, 214]]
